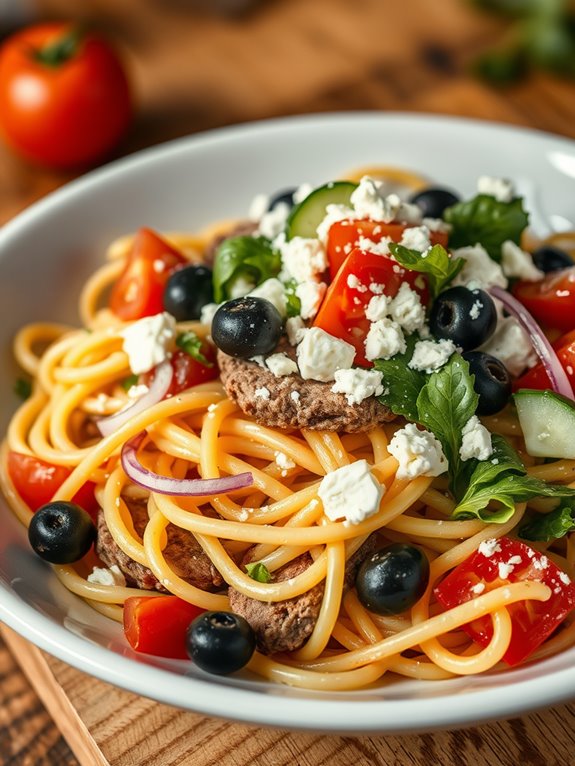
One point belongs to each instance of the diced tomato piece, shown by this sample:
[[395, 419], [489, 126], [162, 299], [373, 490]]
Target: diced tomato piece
[[552, 300], [158, 625], [37, 482], [537, 377], [510, 561], [345, 235], [342, 312], [139, 291], [188, 371]]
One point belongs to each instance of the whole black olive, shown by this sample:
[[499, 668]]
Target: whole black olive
[[247, 327], [61, 532], [492, 381], [466, 317], [220, 642], [434, 201], [285, 196], [549, 258], [393, 579], [187, 291]]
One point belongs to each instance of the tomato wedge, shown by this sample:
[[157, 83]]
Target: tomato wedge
[[552, 300], [497, 563], [537, 376], [37, 482], [345, 235], [158, 625], [139, 291], [363, 275], [188, 372]]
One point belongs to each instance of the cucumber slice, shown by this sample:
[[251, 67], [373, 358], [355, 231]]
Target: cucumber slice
[[307, 216], [547, 420]]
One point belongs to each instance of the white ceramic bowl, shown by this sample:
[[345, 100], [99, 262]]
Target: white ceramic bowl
[[47, 252]]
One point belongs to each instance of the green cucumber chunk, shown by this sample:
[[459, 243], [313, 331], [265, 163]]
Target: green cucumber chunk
[[547, 420], [307, 216]]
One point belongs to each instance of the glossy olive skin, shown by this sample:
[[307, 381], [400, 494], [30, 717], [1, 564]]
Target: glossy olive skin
[[466, 317], [434, 201], [492, 381], [392, 579], [549, 258], [187, 291], [247, 327], [61, 532], [285, 196], [220, 642]]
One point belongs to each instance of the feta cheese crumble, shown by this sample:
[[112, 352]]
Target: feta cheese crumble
[[273, 291], [429, 355], [407, 309], [310, 295], [511, 345], [476, 441], [149, 341], [515, 262], [384, 340], [105, 576], [351, 492], [501, 188], [262, 393], [319, 355], [295, 329], [479, 270], [281, 365], [416, 238], [488, 547], [273, 221], [303, 259], [357, 384], [377, 308], [418, 453]]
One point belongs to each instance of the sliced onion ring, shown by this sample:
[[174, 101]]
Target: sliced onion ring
[[166, 485], [158, 389], [545, 351]]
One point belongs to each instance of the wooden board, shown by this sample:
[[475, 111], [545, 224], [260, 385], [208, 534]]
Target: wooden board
[[106, 726]]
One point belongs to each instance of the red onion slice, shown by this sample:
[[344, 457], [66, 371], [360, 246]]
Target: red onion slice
[[167, 485], [158, 389], [553, 367]]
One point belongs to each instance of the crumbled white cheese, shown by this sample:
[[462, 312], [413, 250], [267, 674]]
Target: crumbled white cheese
[[384, 340], [429, 355], [273, 221], [262, 393], [517, 263], [377, 308], [295, 328], [564, 577], [357, 384], [207, 313], [258, 207], [302, 191], [319, 355], [135, 392], [479, 269], [273, 291], [333, 214], [284, 461], [351, 492], [418, 453], [476, 441], [303, 259], [416, 238], [354, 283], [475, 310], [437, 224], [504, 570], [407, 309], [478, 588], [240, 287], [511, 345], [368, 202], [501, 188], [149, 341], [377, 248], [107, 576], [295, 396], [281, 365], [310, 295], [488, 547]]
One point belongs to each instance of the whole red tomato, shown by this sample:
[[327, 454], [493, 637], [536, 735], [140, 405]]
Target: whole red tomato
[[64, 97]]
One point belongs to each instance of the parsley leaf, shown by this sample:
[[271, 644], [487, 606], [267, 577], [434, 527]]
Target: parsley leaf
[[258, 571], [23, 388], [130, 381], [445, 404], [486, 220], [249, 258], [436, 263], [401, 384], [502, 479], [293, 303], [550, 526], [192, 345]]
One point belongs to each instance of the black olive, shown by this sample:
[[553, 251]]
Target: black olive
[[466, 317], [61, 532], [492, 381], [220, 642], [434, 201], [393, 579], [246, 327], [285, 196], [187, 291], [550, 258]]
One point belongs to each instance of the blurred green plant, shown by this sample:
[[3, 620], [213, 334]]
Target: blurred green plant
[[541, 36]]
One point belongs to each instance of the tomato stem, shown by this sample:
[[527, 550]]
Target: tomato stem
[[61, 50]]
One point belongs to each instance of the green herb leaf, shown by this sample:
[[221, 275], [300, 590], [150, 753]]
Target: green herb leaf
[[23, 388], [130, 381], [402, 385], [502, 479], [249, 258], [436, 263], [258, 571], [293, 303], [486, 220], [192, 345], [550, 526], [445, 404]]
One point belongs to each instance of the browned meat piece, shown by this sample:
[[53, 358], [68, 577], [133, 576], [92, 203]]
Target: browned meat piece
[[316, 407], [284, 626], [240, 229], [183, 553]]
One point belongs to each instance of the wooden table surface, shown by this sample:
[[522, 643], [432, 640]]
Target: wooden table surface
[[195, 69]]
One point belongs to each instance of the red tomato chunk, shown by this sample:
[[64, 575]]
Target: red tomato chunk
[[157, 625]]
